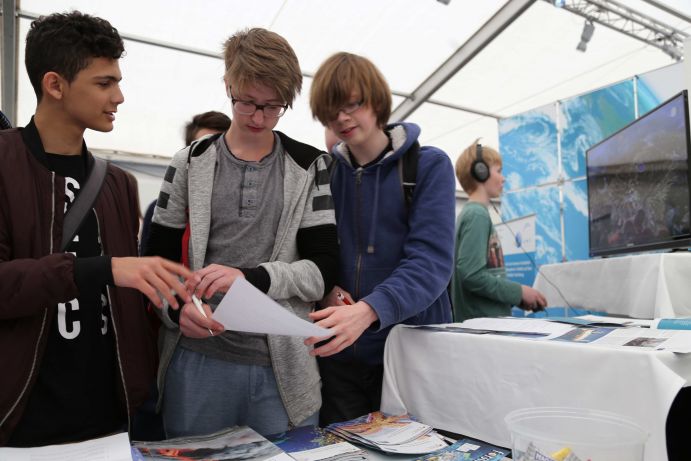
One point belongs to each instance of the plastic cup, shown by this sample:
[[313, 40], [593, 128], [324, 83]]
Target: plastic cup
[[555, 433]]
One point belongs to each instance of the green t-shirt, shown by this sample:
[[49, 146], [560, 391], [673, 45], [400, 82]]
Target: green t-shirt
[[479, 286]]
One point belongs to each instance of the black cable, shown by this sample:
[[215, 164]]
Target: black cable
[[532, 261]]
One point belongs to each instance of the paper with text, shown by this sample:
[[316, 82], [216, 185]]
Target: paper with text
[[112, 448], [245, 308]]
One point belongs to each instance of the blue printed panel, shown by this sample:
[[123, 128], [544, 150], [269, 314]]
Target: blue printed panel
[[519, 268], [588, 119], [576, 219], [544, 202], [528, 146]]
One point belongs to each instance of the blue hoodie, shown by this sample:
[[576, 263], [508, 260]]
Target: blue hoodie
[[398, 261]]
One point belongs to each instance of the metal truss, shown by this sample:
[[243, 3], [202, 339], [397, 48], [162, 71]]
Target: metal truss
[[630, 22]]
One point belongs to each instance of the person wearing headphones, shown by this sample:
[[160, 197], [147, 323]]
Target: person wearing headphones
[[479, 287]]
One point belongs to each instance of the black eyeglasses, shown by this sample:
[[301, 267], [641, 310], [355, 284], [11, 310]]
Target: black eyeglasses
[[348, 109], [249, 108]]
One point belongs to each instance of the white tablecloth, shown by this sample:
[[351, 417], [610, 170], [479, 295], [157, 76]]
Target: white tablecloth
[[468, 383], [640, 286]]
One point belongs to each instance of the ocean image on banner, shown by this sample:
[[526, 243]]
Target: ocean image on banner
[[528, 146], [588, 119], [576, 233]]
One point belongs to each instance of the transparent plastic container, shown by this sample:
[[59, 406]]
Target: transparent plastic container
[[570, 434]]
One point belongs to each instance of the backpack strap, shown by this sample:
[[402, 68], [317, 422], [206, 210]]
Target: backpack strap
[[4, 122], [83, 203], [407, 171]]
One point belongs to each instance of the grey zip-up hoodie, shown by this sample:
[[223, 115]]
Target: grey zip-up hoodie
[[303, 263]]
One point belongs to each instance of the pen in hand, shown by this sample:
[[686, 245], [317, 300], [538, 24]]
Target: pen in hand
[[343, 299], [199, 307]]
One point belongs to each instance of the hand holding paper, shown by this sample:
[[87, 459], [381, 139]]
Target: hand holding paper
[[196, 323], [245, 308], [346, 322]]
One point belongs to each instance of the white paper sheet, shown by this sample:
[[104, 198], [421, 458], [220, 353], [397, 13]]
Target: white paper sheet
[[111, 448], [245, 308], [551, 329]]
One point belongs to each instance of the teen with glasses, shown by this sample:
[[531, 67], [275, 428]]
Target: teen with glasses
[[395, 260], [259, 207]]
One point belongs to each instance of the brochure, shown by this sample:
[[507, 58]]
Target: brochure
[[392, 434], [473, 331], [311, 443], [535, 328], [235, 443], [467, 450], [584, 334]]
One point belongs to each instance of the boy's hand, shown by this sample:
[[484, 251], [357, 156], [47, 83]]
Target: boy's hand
[[347, 322], [212, 279], [332, 298], [194, 325], [154, 277], [531, 299]]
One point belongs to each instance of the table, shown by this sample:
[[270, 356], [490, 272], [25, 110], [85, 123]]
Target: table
[[639, 286], [467, 383]]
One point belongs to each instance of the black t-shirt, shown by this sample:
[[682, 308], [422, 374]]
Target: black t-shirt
[[75, 395], [388, 148]]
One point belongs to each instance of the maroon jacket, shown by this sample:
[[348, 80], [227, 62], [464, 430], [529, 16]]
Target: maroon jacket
[[35, 276]]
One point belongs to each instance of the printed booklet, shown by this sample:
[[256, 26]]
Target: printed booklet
[[391, 434], [235, 443], [311, 443]]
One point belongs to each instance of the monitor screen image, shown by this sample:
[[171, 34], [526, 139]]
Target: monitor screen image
[[638, 184]]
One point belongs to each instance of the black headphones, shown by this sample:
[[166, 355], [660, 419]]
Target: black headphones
[[479, 170]]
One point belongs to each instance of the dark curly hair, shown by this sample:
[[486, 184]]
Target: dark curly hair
[[66, 43]]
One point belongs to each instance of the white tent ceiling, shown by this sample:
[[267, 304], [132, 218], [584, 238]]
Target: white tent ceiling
[[532, 62]]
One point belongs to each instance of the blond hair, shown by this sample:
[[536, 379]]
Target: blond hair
[[464, 162], [259, 56], [341, 75]]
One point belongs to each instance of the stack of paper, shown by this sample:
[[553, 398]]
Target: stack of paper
[[310, 443], [235, 443], [111, 448], [390, 434]]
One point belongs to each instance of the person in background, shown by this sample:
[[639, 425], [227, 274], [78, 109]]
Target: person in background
[[479, 287], [395, 260], [210, 122], [206, 123], [78, 356], [261, 210]]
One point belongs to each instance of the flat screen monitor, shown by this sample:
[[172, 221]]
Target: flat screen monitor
[[638, 183]]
